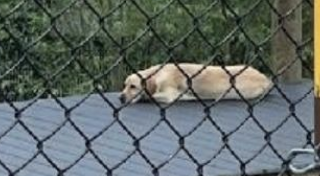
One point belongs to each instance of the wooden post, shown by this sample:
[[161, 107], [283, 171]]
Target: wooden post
[[283, 50], [317, 72]]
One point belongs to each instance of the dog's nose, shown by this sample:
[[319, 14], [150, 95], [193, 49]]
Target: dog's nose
[[122, 98]]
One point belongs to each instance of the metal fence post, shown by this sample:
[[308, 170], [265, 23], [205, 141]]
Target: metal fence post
[[317, 73]]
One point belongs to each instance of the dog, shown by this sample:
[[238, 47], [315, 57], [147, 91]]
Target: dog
[[166, 83]]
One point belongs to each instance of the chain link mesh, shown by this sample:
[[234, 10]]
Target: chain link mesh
[[50, 49]]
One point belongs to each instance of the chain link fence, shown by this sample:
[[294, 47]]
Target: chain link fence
[[52, 49]]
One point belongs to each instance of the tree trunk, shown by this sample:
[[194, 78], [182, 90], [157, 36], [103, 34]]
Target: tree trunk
[[283, 49]]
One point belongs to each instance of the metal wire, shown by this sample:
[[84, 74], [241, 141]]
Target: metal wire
[[24, 48]]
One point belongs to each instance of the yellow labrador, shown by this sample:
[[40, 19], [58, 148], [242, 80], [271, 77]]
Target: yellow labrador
[[166, 84]]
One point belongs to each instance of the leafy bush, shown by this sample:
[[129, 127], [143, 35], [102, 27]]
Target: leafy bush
[[49, 35]]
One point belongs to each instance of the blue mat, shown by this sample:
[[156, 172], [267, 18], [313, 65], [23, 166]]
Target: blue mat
[[203, 141]]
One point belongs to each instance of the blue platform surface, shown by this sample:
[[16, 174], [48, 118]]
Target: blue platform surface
[[246, 143]]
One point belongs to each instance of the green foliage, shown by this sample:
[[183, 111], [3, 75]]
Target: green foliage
[[31, 37]]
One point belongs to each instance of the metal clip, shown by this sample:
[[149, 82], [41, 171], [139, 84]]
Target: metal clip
[[315, 164]]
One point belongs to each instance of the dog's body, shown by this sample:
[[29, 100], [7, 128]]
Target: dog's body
[[167, 83]]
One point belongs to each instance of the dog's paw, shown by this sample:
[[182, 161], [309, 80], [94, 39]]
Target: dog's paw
[[162, 98]]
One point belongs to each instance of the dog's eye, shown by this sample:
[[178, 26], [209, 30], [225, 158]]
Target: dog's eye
[[132, 86]]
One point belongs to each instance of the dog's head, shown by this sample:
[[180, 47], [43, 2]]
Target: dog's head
[[134, 89]]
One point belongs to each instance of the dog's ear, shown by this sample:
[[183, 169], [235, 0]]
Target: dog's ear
[[151, 85]]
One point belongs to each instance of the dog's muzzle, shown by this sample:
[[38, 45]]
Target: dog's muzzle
[[122, 98]]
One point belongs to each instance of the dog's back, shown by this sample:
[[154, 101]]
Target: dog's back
[[212, 81]]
